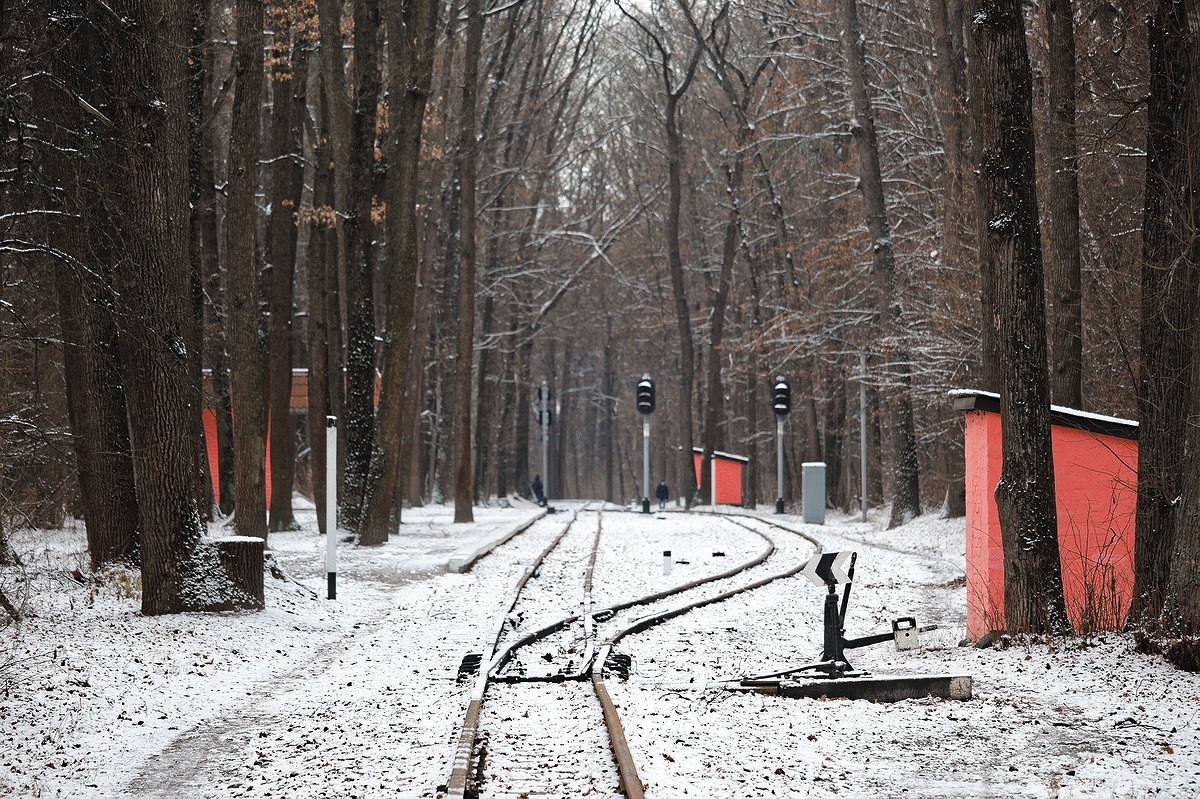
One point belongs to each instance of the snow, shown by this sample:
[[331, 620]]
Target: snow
[[358, 697]]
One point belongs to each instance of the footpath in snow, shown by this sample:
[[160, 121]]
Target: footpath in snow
[[358, 698]]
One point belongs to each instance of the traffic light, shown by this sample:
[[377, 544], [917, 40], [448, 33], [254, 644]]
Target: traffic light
[[781, 397], [645, 395]]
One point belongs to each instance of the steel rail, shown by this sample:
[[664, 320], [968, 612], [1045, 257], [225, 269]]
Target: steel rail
[[460, 770], [646, 622], [593, 666]]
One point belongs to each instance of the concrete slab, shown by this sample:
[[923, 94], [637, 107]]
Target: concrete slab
[[880, 688]]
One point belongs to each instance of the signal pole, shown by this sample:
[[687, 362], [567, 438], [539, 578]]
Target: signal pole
[[781, 403], [645, 406], [544, 422]]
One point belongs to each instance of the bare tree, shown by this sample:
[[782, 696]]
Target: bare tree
[[410, 44], [81, 197], [464, 426], [359, 411], [149, 52], [288, 79], [246, 368], [676, 78], [906, 500], [1063, 281], [1033, 593], [1165, 556]]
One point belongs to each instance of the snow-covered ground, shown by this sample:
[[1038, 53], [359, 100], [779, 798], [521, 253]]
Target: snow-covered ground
[[358, 698]]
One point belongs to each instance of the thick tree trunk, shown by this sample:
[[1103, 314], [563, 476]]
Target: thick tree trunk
[[1063, 282], [464, 425], [989, 336], [149, 48], [201, 229], [91, 367], [1033, 593], [1170, 288], [359, 411], [289, 78], [337, 110], [410, 64], [906, 500], [99, 430], [951, 99], [322, 253], [246, 370]]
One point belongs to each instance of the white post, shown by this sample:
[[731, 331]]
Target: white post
[[331, 504], [666, 563], [862, 429]]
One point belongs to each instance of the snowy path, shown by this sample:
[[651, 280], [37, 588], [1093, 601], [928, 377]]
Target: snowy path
[[358, 698]]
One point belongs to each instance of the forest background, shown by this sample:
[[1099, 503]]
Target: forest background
[[200, 197]]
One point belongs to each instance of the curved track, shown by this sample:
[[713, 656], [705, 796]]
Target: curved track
[[543, 652]]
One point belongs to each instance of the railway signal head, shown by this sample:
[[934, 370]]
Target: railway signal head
[[781, 397], [645, 395]]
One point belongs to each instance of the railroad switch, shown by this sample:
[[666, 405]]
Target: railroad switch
[[832, 569]]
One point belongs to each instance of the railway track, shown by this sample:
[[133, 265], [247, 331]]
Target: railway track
[[556, 642]]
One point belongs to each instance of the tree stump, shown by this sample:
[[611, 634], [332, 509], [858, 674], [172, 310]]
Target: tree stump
[[242, 559]]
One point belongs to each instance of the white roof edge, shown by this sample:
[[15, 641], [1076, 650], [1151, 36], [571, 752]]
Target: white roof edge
[[1099, 417]]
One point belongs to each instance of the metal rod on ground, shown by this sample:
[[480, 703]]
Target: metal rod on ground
[[331, 504], [862, 428]]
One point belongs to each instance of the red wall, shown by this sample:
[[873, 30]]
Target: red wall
[[1095, 479], [727, 478], [210, 442]]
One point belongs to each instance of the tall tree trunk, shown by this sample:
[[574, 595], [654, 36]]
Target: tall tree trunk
[[989, 335], [337, 110], [464, 426], [1033, 593], [242, 287], [322, 254], [289, 79], [1170, 289], [201, 226], [1063, 283], [91, 367], [359, 411], [906, 502], [411, 73], [951, 98], [714, 402], [149, 49]]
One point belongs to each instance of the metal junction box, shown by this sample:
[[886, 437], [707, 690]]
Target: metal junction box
[[904, 630]]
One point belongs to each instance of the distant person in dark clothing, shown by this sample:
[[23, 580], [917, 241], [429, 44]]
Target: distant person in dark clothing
[[539, 492], [663, 494]]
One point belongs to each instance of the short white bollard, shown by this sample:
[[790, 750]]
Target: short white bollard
[[666, 562]]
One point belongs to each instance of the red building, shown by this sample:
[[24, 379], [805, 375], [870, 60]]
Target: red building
[[727, 475], [1095, 483]]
